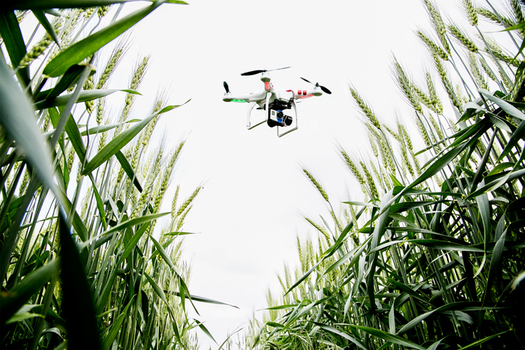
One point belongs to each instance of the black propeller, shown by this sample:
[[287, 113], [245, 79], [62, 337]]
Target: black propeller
[[325, 90], [257, 71], [225, 84]]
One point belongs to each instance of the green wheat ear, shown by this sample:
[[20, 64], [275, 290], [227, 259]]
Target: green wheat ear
[[463, 39], [365, 108], [317, 185], [470, 10]]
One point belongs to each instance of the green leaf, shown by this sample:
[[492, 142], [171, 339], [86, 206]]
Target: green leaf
[[135, 221], [128, 170], [340, 333], [12, 300], [77, 300], [507, 107], [84, 48], [13, 41], [390, 337], [115, 327], [379, 230], [17, 118], [50, 4], [495, 262], [119, 142], [476, 344], [204, 329], [40, 15], [438, 244], [200, 299], [66, 81], [86, 95], [513, 141]]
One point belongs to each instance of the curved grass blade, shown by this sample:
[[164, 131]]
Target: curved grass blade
[[103, 296], [507, 107], [14, 42], [104, 128], [83, 332], [379, 230], [128, 170], [340, 333], [205, 330], [439, 244], [51, 4], [84, 48], [476, 344], [201, 299], [66, 81], [115, 327], [495, 262], [39, 14], [17, 118], [120, 141], [135, 221], [390, 337], [162, 296], [13, 300], [87, 95], [513, 140]]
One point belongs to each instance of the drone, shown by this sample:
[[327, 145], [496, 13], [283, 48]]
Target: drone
[[275, 101]]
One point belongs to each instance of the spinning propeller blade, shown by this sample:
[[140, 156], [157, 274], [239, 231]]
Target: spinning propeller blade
[[325, 90], [257, 71], [225, 84], [253, 72]]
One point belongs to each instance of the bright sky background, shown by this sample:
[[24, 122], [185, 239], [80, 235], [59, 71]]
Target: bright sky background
[[255, 194]]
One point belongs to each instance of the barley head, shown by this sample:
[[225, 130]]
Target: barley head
[[498, 53], [488, 70], [497, 18], [436, 102], [354, 169], [188, 201], [370, 182], [463, 39], [423, 132], [474, 68], [406, 87], [518, 13], [110, 67], [365, 108], [439, 24], [319, 228], [433, 47], [35, 51], [89, 85], [317, 185], [470, 10], [102, 11]]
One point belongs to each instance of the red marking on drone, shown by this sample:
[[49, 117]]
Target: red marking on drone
[[267, 85]]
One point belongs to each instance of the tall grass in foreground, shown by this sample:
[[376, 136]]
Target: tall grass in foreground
[[81, 190], [434, 256]]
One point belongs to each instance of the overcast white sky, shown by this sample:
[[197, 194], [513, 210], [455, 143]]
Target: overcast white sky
[[255, 194]]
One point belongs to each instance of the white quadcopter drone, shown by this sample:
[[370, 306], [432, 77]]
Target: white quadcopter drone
[[275, 101]]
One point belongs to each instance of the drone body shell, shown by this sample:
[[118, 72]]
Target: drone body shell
[[273, 100]]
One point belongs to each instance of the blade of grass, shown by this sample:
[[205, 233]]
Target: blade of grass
[[14, 299], [84, 48], [77, 300]]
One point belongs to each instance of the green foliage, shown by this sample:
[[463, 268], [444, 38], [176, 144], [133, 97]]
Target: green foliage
[[434, 256], [81, 263]]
